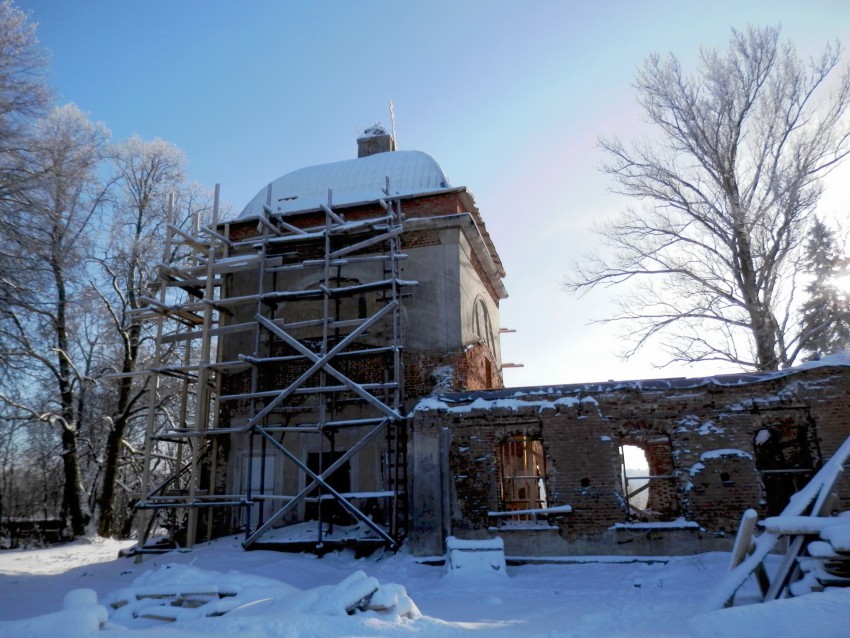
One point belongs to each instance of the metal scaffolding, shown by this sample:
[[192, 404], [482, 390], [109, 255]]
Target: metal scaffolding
[[274, 369]]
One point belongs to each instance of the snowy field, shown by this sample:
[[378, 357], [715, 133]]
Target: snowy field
[[301, 596]]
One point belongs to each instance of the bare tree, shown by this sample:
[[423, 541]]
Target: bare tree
[[48, 243], [23, 98], [23, 95], [147, 173], [729, 188]]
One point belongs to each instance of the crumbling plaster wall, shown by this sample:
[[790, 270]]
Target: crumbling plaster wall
[[711, 425]]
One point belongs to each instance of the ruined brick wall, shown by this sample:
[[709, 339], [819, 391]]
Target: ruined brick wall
[[478, 368], [720, 440], [476, 479], [582, 466], [432, 206], [425, 373]]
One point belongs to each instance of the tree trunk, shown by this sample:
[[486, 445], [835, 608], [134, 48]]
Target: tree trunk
[[113, 450], [72, 508], [765, 341], [121, 415]]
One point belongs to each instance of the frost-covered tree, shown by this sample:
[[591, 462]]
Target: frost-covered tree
[[23, 95], [23, 98], [81, 230], [826, 312], [44, 304], [729, 187]]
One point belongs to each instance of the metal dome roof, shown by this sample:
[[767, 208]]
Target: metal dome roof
[[351, 181]]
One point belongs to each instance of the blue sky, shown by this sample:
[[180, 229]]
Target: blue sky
[[509, 97]]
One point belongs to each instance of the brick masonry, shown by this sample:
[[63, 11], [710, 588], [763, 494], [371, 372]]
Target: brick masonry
[[720, 442], [430, 206]]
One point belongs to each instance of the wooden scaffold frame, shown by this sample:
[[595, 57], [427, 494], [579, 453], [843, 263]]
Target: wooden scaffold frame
[[203, 320]]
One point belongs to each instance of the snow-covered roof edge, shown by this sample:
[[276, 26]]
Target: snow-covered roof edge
[[532, 395], [471, 228]]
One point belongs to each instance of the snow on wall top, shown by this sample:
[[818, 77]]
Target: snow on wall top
[[719, 454], [554, 395], [352, 181]]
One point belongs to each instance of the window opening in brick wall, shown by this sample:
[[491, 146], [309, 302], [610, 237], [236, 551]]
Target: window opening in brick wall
[[634, 476], [647, 480], [784, 460], [522, 466]]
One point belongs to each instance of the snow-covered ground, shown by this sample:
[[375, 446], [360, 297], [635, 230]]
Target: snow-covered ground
[[301, 596]]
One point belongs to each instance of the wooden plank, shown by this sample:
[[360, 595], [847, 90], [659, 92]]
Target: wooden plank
[[330, 213], [723, 594], [319, 479], [219, 236], [321, 363], [783, 575], [264, 221], [807, 525], [744, 539], [762, 579], [808, 501], [160, 615], [188, 239]]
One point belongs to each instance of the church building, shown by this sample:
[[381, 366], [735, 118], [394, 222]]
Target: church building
[[342, 386]]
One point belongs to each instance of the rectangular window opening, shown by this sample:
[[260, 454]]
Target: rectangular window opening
[[522, 467]]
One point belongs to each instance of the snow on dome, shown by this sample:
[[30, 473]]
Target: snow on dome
[[352, 181]]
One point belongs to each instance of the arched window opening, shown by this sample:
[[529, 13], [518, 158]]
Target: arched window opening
[[647, 480], [481, 325], [522, 466]]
